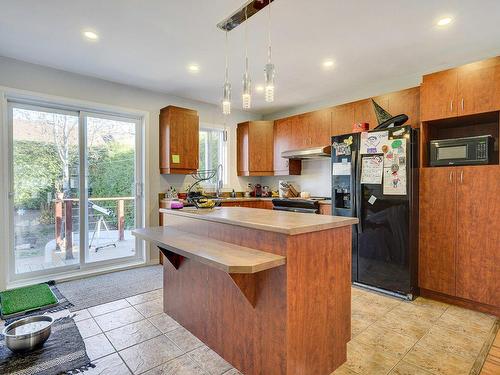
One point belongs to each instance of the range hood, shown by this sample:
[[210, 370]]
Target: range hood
[[308, 153]]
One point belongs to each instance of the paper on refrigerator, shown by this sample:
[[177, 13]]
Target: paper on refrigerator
[[395, 167], [394, 182], [372, 168], [372, 142], [341, 169]]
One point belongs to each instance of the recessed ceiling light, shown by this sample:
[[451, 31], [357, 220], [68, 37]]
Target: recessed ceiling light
[[193, 68], [90, 35], [259, 88], [328, 64], [444, 21]]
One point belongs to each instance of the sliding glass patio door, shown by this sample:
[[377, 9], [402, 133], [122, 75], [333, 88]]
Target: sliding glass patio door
[[76, 190], [112, 186]]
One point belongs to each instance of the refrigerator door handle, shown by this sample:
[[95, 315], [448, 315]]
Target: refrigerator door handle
[[357, 199]]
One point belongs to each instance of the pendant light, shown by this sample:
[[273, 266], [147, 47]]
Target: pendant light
[[247, 82], [269, 71], [226, 95]]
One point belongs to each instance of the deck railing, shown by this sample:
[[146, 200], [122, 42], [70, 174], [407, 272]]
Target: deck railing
[[63, 214]]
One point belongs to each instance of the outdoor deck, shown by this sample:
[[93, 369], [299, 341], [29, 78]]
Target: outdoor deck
[[43, 246], [57, 258]]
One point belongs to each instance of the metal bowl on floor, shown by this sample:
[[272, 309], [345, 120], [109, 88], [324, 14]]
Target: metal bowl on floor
[[28, 333]]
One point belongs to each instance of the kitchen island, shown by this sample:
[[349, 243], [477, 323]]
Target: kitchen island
[[269, 291]]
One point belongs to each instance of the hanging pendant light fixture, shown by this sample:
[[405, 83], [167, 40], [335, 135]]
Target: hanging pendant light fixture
[[247, 82], [226, 95], [269, 71]]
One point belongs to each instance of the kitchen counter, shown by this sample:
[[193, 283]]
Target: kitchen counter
[[269, 291], [256, 199], [289, 223]]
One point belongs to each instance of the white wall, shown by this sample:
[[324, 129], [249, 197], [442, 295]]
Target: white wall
[[47, 81], [315, 178]]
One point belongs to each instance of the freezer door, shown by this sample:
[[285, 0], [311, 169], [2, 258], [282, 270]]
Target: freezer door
[[383, 240], [344, 186]]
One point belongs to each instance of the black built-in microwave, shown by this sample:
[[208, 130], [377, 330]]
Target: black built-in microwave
[[461, 151]]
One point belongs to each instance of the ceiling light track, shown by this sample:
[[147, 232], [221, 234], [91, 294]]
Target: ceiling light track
[[249, 9]]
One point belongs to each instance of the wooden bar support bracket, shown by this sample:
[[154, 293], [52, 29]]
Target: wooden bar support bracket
[[173, 258], [247, 284]]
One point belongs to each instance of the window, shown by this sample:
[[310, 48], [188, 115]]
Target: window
[[213, 151]]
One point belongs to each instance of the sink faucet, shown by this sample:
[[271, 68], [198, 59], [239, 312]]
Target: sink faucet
[[220, 183]]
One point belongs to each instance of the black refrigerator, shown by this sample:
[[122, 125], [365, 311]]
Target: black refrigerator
[[375, 178]]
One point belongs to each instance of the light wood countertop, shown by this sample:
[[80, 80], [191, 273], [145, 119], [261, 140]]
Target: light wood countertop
[[254, 199], [224, 256], [290, 223]]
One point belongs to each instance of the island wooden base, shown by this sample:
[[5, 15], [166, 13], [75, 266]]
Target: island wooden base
[[300, 323]]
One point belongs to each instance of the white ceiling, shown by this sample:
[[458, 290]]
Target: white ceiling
[[150, 43]]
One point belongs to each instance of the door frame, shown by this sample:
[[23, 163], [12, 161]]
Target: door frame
[[10, 96]]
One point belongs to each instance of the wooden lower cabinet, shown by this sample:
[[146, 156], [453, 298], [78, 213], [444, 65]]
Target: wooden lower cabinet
[[459, 233], [438, 229], [478, 239], [325, 209], [264, 204]]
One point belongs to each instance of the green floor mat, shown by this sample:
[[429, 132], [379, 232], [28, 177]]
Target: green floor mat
[[26, 299]]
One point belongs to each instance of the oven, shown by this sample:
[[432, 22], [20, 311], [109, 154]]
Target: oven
[[310, 206]]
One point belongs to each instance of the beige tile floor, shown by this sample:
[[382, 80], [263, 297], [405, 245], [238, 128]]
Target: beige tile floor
[[389, 336], [134, 336], [422, 337]]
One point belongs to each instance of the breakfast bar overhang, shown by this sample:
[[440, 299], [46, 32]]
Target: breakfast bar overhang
[[269, 291]]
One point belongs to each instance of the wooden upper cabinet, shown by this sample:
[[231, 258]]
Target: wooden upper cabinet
[[255, 143], [470, 89], [438, 95], [404, 102], [342, 119], [300, 134], [478, 240], [179, 140], [320, 129], [312, 129], [242, 148], [479, 87], [283, 141], [364, 111], [438, 230]]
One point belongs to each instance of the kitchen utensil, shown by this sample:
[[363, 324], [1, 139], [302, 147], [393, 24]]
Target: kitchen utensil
[[28, 333], [293, 191]]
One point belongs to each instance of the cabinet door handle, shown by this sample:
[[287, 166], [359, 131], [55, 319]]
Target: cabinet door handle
[[461, 176], [451, 177], [451, 105], [462, 103]]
